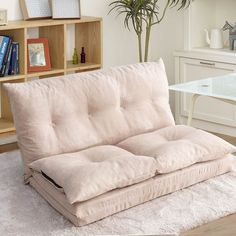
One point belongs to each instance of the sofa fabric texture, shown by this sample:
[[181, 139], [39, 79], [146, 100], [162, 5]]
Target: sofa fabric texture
[[71, 113], [178, 147], [94, 171], [89, 173]]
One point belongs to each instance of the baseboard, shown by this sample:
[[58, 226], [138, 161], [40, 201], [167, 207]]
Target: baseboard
[[8, 139], [209, 126]]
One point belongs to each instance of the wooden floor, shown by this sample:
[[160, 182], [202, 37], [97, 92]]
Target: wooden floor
[[222, 227], [8, 147]]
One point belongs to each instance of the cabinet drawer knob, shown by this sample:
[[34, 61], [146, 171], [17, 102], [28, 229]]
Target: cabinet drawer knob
[[207, 63]]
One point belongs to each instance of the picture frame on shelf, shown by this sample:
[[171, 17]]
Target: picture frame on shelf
[[64, 9], [38, 55], [3, 16], [35, 9]]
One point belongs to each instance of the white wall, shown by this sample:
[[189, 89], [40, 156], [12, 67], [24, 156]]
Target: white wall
[[168, 37], [120, 45]]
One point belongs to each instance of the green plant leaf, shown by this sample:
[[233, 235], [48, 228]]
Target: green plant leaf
[[144, 14]]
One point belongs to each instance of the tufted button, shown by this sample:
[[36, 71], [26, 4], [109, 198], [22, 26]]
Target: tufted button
[[122, 109], [53, 124], [122, 105]]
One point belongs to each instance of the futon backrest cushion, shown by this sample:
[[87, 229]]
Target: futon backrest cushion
[[74, 112]]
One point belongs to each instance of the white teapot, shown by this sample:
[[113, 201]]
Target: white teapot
[[216, 39]]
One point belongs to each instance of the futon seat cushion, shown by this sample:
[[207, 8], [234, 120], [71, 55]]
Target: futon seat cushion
[[178, 147], [89, 173]]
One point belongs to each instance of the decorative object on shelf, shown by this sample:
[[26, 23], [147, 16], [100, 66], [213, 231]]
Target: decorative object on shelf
[[75, 59], [33, 9], [82, 56], [3, 16], [232, 33], [216, 39], [144, 15], [64, 9], [38, 55]]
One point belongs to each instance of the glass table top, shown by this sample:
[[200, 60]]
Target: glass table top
[[223, 87]]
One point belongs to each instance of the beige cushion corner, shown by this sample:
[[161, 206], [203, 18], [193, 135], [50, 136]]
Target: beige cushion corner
[[178, 147], [94, 171]]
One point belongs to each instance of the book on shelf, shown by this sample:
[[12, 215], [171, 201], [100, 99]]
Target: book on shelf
[[4, 42], [8, 61], [9, 56], [14, 63], [17, 59], [4, 63]]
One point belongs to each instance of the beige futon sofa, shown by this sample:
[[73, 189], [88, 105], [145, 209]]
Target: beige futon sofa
[[97, 143]]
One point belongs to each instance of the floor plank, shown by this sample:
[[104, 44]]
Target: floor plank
[[222, 227], [7, 142], [8, 147]]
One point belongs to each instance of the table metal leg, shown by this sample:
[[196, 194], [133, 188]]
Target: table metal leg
[[191, 108]]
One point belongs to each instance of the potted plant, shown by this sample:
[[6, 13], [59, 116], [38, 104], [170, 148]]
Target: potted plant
[[144, 14]]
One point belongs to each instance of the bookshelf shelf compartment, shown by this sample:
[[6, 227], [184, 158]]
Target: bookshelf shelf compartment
[[82, 66], [56, 40], [11, 78], [45, 73], [18, 35], [87, 33], [6, 120]]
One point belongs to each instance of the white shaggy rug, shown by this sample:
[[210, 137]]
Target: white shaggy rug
[[24, 213]]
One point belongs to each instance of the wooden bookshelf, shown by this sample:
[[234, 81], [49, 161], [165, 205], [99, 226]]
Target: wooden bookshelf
[[88, 34]]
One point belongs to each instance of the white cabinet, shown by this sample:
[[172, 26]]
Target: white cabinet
[[210, 114], [198, 61]]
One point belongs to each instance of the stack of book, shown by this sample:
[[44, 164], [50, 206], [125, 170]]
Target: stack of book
[[9, 57]]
